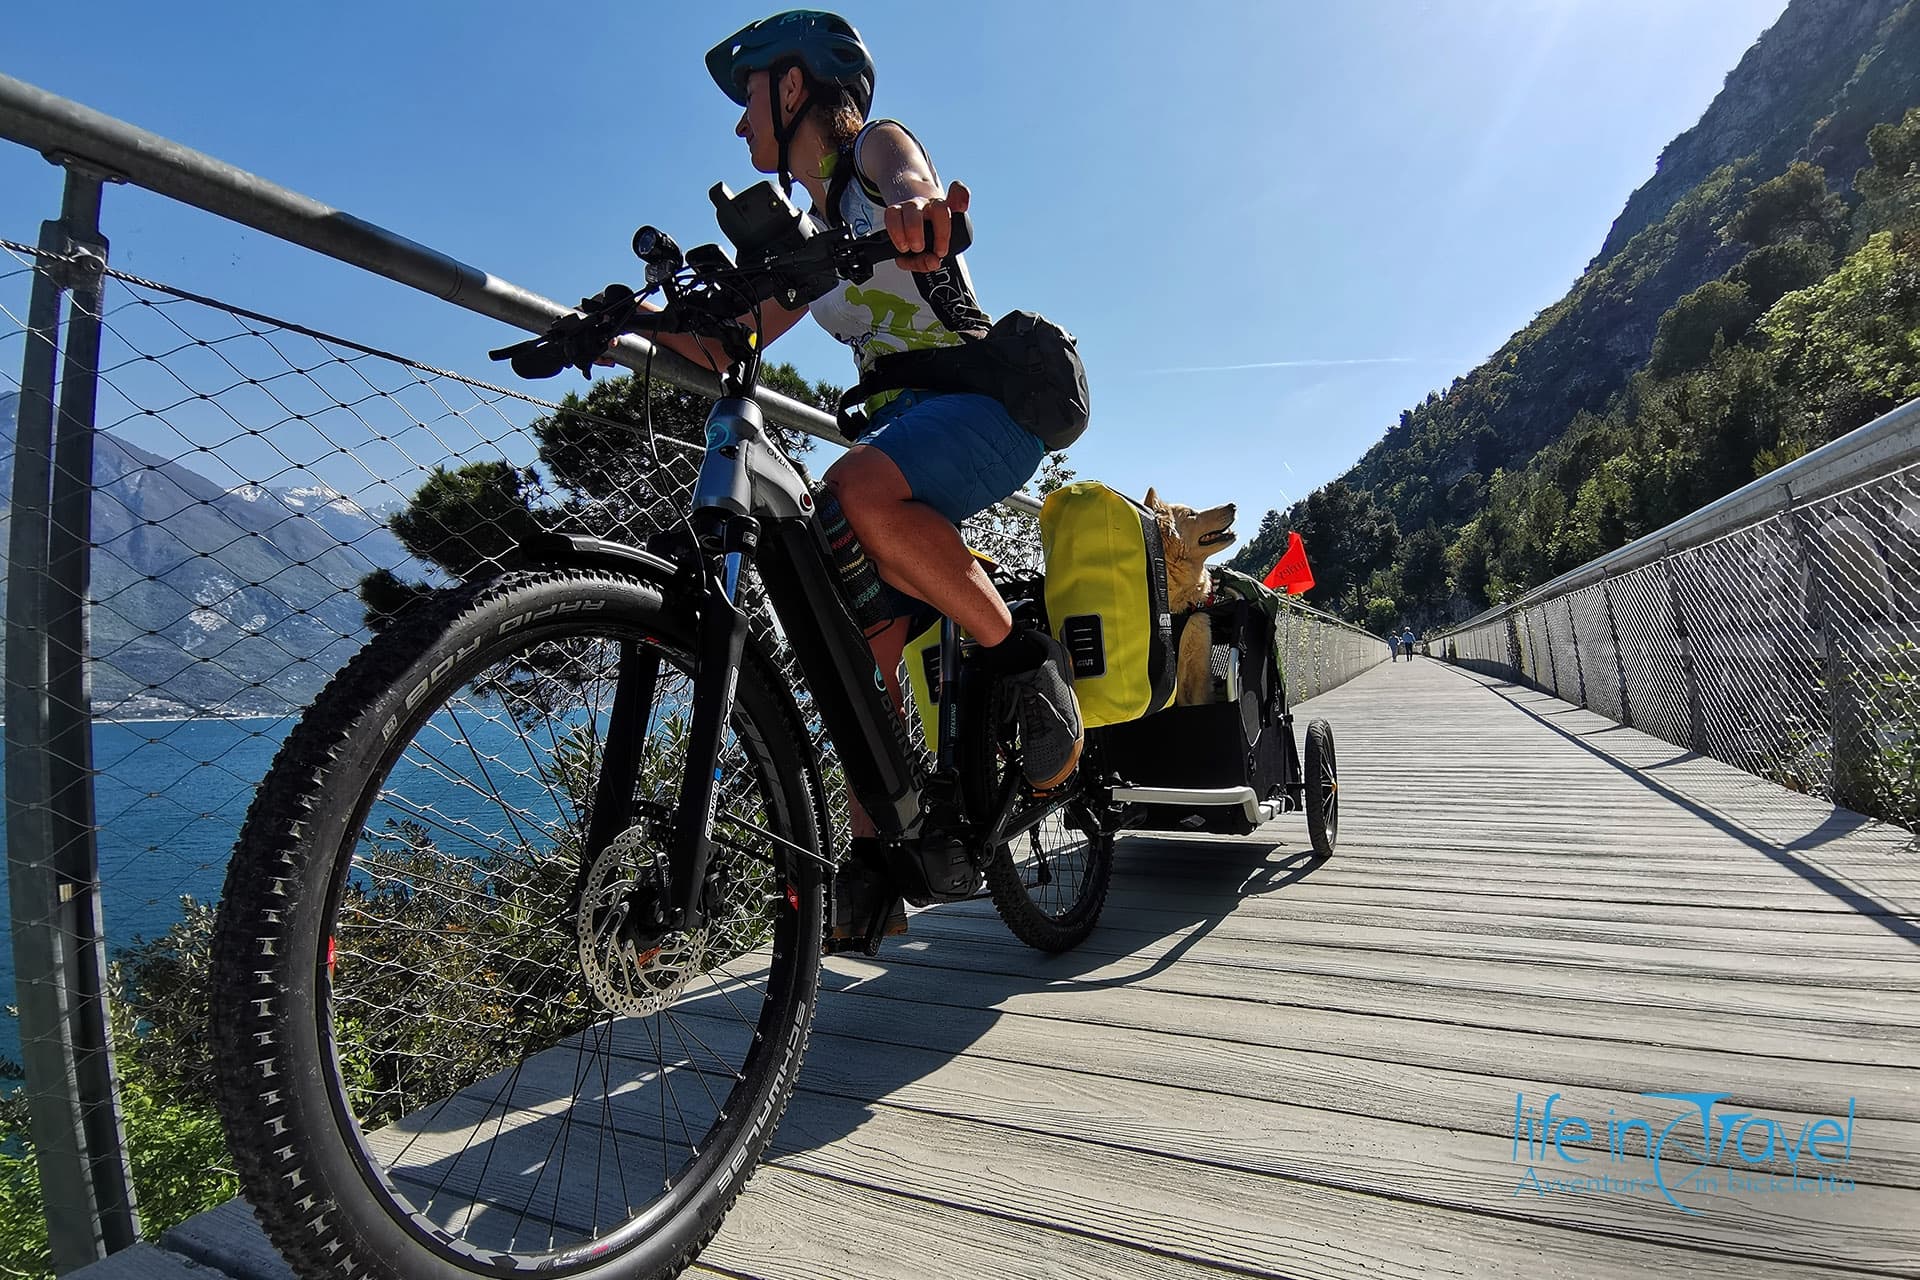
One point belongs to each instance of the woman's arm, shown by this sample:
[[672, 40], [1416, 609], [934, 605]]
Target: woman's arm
[[895, 164]]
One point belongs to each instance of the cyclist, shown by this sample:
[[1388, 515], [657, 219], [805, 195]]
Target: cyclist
[[805, 81]]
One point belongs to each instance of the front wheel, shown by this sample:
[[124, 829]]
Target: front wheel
[[1049, 879], [453, 1037]]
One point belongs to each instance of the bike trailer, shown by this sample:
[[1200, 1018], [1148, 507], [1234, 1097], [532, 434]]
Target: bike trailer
[[1231, 757], [1106, 598]]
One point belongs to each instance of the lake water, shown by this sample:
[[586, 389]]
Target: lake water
[[169, 798]]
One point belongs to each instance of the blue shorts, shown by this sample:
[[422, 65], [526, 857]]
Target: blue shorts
[[960, 454]]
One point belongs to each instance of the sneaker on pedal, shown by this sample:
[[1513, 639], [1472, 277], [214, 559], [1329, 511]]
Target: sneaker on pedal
[[862, 892], [1051, 737]]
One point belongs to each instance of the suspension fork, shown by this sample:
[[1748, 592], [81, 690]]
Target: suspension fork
[[722, 636], [626, 750]]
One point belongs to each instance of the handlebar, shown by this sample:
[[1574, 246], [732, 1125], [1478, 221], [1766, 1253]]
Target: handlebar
[[708, 293]]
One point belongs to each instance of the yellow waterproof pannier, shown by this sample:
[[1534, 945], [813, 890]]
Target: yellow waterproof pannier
[[1107, 600], [921, 657]]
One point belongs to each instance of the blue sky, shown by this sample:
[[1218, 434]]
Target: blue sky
[[1273, 225]]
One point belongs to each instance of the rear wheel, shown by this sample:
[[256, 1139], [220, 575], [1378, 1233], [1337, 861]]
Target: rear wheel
[[1049, 878], [452, 1039], [1323, 789]]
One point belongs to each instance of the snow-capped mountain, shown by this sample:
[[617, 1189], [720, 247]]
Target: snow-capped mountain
[[215, 600]]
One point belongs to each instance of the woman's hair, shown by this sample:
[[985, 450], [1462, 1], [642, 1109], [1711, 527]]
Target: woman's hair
[[835, 110]]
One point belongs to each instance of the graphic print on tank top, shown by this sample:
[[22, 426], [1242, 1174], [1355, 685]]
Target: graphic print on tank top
[[896, 309]]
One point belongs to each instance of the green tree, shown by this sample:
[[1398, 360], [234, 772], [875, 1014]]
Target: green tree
[[1348, 535], [468, 518], [1775, 270], [1719, 311], [1423, 568], [615, 460], [1850, 345], [1793, 206], [175, 1144], [1890, 186], [1054, 474], [1257, 554], [1383, 615]]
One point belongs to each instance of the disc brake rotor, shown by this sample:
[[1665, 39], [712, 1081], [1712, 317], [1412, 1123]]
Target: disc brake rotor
[[630, 966]]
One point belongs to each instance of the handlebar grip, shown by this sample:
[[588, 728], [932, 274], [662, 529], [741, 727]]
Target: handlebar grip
[[960, 235], [877, 246], [540, 360]]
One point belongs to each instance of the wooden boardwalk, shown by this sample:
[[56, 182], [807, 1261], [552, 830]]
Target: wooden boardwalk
[[1263, 1066]]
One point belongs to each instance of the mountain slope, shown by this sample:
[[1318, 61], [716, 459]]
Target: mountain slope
[[1802, 71], [1814, 86], [239, 601]]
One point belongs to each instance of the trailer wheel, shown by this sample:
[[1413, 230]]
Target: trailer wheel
[[1322, 789]]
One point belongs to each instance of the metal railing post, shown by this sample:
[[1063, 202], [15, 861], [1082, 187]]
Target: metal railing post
[[1619, 658], [1579, 665], [59, 951], [1845, 732], [1696, 709]]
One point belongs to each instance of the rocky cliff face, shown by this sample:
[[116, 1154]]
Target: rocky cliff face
[[1809, 88]]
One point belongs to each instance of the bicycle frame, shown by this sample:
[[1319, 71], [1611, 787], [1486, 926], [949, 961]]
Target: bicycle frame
[[751, 505]]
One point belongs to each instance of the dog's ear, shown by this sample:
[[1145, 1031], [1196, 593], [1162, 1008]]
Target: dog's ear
[[1152, 502]]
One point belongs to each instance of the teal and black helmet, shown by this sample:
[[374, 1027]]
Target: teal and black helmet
[[824, 44]]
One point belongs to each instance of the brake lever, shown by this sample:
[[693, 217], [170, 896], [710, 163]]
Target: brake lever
[[568, 339]]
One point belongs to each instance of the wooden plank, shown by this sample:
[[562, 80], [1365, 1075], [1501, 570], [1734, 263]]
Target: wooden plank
[[142, 1262], [1824, 918], [1494, 841], [1885, 1152], [1251, 1223], [1820, 1039], [1751, 956], [1896, 1004], [1132, 904], [1435, 882], [228, 1240], [797, 1226], [1868, 1227], [1367, 851], [1425, 1036]]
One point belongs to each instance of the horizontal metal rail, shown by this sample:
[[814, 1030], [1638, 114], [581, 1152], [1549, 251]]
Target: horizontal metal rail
[[1883, 445], [59, 127]]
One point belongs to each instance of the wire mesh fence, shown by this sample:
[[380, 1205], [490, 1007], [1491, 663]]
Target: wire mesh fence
[[1319, 652], [249, 501], [252, 484], [1787, 647], [266, 496]]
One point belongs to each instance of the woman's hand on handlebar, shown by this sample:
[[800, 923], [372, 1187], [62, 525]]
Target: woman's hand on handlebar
[[921, 227], [773, 320]]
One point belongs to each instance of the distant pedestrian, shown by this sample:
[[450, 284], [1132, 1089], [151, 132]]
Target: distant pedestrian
[[1407, 638]]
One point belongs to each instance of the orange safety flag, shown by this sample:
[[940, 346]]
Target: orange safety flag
[[1290, 572]]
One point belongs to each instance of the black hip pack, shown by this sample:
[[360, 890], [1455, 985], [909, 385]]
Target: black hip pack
[[1026, 362]]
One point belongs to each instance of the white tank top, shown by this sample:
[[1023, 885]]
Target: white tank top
[[895, 309]]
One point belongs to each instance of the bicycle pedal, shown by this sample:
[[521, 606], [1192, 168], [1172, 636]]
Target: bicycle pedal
[[1065, 784]]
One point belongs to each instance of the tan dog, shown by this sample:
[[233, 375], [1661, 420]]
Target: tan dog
[[1189, 537]]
